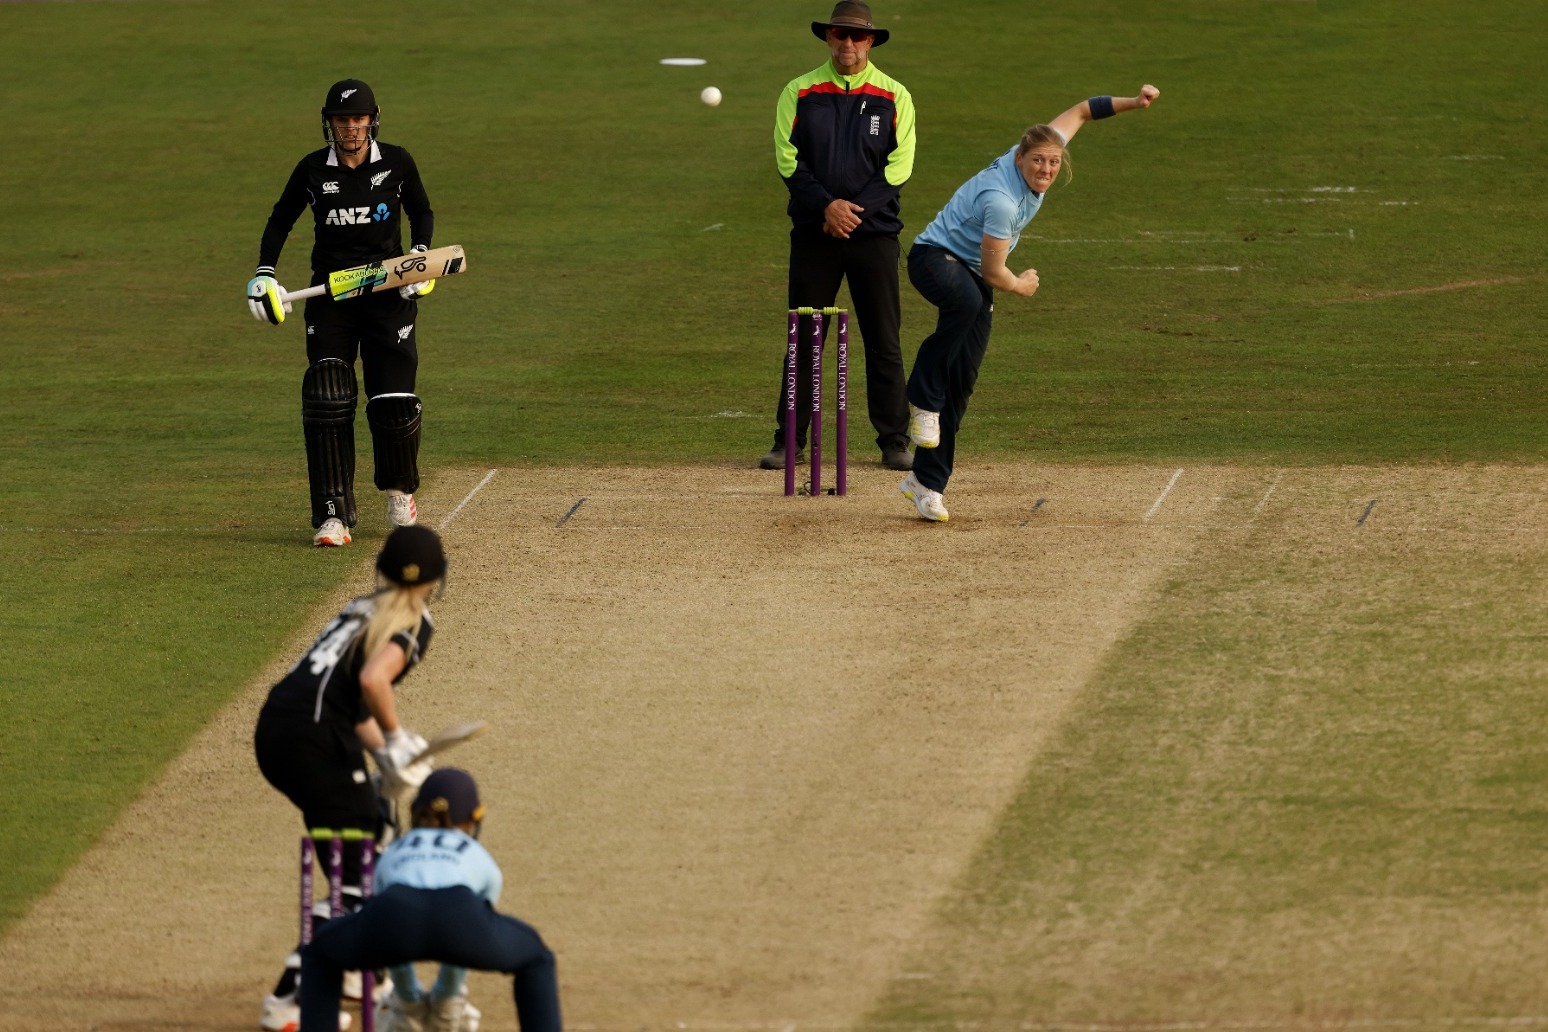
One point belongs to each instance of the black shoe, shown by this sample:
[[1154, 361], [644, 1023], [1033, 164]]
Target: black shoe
[[775, 459], [900, 459]]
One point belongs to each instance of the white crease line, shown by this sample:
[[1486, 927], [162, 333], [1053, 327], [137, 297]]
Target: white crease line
[[1169, 485], [1065, 1026], [460, 505], [1264, 500], [1116, 525]]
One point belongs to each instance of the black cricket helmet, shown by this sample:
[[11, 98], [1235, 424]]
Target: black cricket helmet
[[412, 556], [350, 97]]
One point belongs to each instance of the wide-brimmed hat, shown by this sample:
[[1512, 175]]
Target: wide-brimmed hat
[[851, 14]]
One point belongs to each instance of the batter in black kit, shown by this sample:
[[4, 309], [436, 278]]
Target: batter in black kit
[[358, 189], [336, 702]]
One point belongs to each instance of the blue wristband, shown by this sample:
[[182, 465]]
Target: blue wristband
[[1101, 107]]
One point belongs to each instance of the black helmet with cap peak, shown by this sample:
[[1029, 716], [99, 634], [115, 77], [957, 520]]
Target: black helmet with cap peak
[[412, 556]]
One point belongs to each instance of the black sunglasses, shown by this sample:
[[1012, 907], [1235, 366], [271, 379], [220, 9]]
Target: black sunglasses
[[857, 35]]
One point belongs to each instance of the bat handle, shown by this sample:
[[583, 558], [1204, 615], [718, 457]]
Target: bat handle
[[301, 295]]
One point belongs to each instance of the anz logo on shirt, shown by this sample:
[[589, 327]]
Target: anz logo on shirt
[[356, 216]]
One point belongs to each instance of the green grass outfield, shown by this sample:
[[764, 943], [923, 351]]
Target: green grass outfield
[[1325, 244]]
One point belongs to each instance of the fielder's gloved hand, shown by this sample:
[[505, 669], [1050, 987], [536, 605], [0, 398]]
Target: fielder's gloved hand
[[399, 774], [421, 288], [264, 300]]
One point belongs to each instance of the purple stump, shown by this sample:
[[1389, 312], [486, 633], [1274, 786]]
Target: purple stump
[[790, 402], [308, 859], [815, 436], [841, 474], [336, 876], [367, 977]]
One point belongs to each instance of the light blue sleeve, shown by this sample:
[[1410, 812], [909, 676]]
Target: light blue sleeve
[[495, 885], [484, 875], [997, 212]]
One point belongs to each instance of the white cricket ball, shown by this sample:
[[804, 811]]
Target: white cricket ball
[[710, 96]]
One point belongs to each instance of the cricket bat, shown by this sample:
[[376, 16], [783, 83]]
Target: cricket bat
[[414, 267], [454, 735]]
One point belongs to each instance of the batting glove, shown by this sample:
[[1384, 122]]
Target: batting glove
[[265, 299], [420, 289], [400, 775]]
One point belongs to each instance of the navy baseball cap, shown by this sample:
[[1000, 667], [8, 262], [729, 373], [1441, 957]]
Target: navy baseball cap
[[452, 792]]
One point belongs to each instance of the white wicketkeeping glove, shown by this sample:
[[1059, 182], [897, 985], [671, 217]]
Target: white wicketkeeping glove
[[265, 300], [421, 288], [399, 775]]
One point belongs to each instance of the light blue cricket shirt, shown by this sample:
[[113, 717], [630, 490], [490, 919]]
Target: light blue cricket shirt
[[439, 858], [996, 202]]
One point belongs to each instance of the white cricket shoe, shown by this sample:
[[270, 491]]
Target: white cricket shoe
[[332, 534], [924, 428], [395, 1014], [453, 1014], [283, 1014], [931, 504], [401, 510]]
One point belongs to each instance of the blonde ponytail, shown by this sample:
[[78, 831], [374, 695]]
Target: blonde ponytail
[[397, 609]]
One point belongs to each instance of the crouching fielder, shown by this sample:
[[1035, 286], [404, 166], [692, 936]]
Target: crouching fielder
[[957, 263], [435, 893]]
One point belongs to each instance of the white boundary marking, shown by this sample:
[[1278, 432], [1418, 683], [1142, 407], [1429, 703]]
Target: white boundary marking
[[1165, 491], [1177, 268], [468, 498], [1124, 240]]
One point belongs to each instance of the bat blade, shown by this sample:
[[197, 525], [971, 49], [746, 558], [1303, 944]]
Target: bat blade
[[414, 267], [448, 737]]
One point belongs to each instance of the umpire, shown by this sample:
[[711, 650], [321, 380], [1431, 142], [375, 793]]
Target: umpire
[[358, 190], [437, 887], [844, 145]]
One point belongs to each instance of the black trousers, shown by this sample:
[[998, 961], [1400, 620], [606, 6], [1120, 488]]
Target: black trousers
[[946, 368], [452, 926], [818, 265], [379, 328], [321, 769]]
